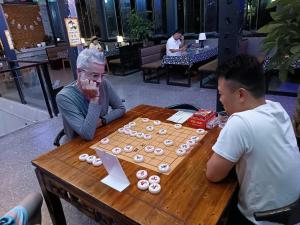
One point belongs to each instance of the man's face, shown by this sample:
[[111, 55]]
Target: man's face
[[229, 97], [94, 73], [177, 36]]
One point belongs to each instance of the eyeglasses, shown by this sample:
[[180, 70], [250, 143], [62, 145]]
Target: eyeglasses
[[91, 75]]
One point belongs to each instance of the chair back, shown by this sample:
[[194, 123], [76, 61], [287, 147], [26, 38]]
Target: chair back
[[129, 56], [152, 54]]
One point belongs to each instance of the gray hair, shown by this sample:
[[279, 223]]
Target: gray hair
[[89, 56]]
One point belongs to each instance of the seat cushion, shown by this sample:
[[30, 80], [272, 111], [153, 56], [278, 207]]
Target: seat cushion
[[210, 66], [115, 61], [152, 65]]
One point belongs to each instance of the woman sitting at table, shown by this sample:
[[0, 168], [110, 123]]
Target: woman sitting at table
[[175, 44], [95, 44]]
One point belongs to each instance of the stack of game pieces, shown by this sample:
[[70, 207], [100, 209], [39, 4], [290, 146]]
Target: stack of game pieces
[[91, 159], [152, 184]]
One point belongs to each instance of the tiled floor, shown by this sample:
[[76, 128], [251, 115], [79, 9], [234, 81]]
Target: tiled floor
[[19, 148]]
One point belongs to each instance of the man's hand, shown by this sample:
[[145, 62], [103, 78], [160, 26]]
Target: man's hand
[[90, 89]]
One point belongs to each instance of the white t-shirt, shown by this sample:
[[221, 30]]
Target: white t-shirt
[[173, 44], [262, 143]]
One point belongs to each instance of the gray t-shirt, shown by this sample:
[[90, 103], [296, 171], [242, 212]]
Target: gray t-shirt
[[80, 116], [262, 143]]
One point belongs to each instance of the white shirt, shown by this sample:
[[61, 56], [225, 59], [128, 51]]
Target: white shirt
[[173, 44], [262, 143]]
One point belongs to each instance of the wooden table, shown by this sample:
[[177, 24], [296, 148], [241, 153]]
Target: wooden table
[[187, 197]]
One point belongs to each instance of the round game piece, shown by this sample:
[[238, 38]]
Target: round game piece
[[127, 131], [97, 162], [162, 131], [133, 133], [158, 151], [141, 174], [145, 120], [177, 126], [195, 138], [143, 185], [168, 142], [149, 128], [200, 131], [185, 146], [180, 152], [121, 130], [163, 167], [132, 124], [128, 148], [154, 188], [140, 135], [104, 141], [190, 142], [149, 148], [147, 136], [156, 122], [91, 158], [154, 179], [138, 158], [116, 150], [127, 126], [83, 157]]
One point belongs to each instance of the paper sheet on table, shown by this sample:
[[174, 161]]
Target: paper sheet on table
[[180, 117]]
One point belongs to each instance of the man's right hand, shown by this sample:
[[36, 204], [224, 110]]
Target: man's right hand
[[90, 89]]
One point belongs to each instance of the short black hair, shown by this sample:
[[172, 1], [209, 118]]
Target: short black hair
[[178, 31], [246, 71]]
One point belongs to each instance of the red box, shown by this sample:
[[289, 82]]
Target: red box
[[200, 118]]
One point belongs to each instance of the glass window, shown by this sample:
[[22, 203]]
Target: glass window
[[111, 19], [159, 17], [192, 16], [211, 15], [125, 8]]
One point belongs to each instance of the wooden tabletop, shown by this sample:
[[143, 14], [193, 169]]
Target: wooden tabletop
[[187, 197]]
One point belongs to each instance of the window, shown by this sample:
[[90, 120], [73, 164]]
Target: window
[[111, 19]]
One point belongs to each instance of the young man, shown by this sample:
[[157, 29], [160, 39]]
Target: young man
[[258, 140], [175, 44], [84, 104]]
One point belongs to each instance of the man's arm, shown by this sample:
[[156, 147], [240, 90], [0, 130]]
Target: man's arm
[[217, 168]]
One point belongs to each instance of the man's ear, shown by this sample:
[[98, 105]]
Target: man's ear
[[243, 94]]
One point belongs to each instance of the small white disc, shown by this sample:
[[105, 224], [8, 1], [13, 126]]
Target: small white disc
[[91, 158], [145, 120], [133, 133], [83, 157], [185, 146], [163, 167], [154, 188], [168, 142], [143, 185], [158, 151], [154, 179], [127, 131], [116, 150], [180, 152], [104, 141], [177, 126], [149, 148], [128, 148], [156, 122], [141, 174], [147, 136], [121, 130], [138, 158], [127, 126], [200, 131], [190, 142], [97, 162], [132, 124], [162, 131], [195, 138], [140, 135], [149, 128]]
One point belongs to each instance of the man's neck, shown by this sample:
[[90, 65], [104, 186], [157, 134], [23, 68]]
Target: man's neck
[[254, 103]]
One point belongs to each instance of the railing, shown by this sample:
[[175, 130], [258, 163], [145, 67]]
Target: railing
[[26, 76]]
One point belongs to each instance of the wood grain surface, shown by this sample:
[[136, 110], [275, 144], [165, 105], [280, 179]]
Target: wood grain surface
[[187, 197]]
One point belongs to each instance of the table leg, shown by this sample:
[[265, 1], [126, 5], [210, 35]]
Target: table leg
[[53, 202]]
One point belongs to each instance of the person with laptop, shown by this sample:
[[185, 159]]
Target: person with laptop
[[175, 44]]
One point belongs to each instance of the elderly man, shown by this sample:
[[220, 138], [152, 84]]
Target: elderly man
[[175, 44], [84, 104], [258, 139]]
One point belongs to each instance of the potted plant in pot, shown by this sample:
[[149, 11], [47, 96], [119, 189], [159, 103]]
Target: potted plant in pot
[[139, 27], [283, 39]]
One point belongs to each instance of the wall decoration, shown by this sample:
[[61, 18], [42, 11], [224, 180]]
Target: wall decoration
[[9, 39], [25, 16], [73, 31]]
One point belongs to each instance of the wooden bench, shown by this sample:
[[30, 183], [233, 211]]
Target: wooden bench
[[57, 56], [207, 69], [150, 58]]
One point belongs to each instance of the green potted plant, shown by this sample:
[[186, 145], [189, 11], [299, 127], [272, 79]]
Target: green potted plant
[[283, 39], [139, 27]]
